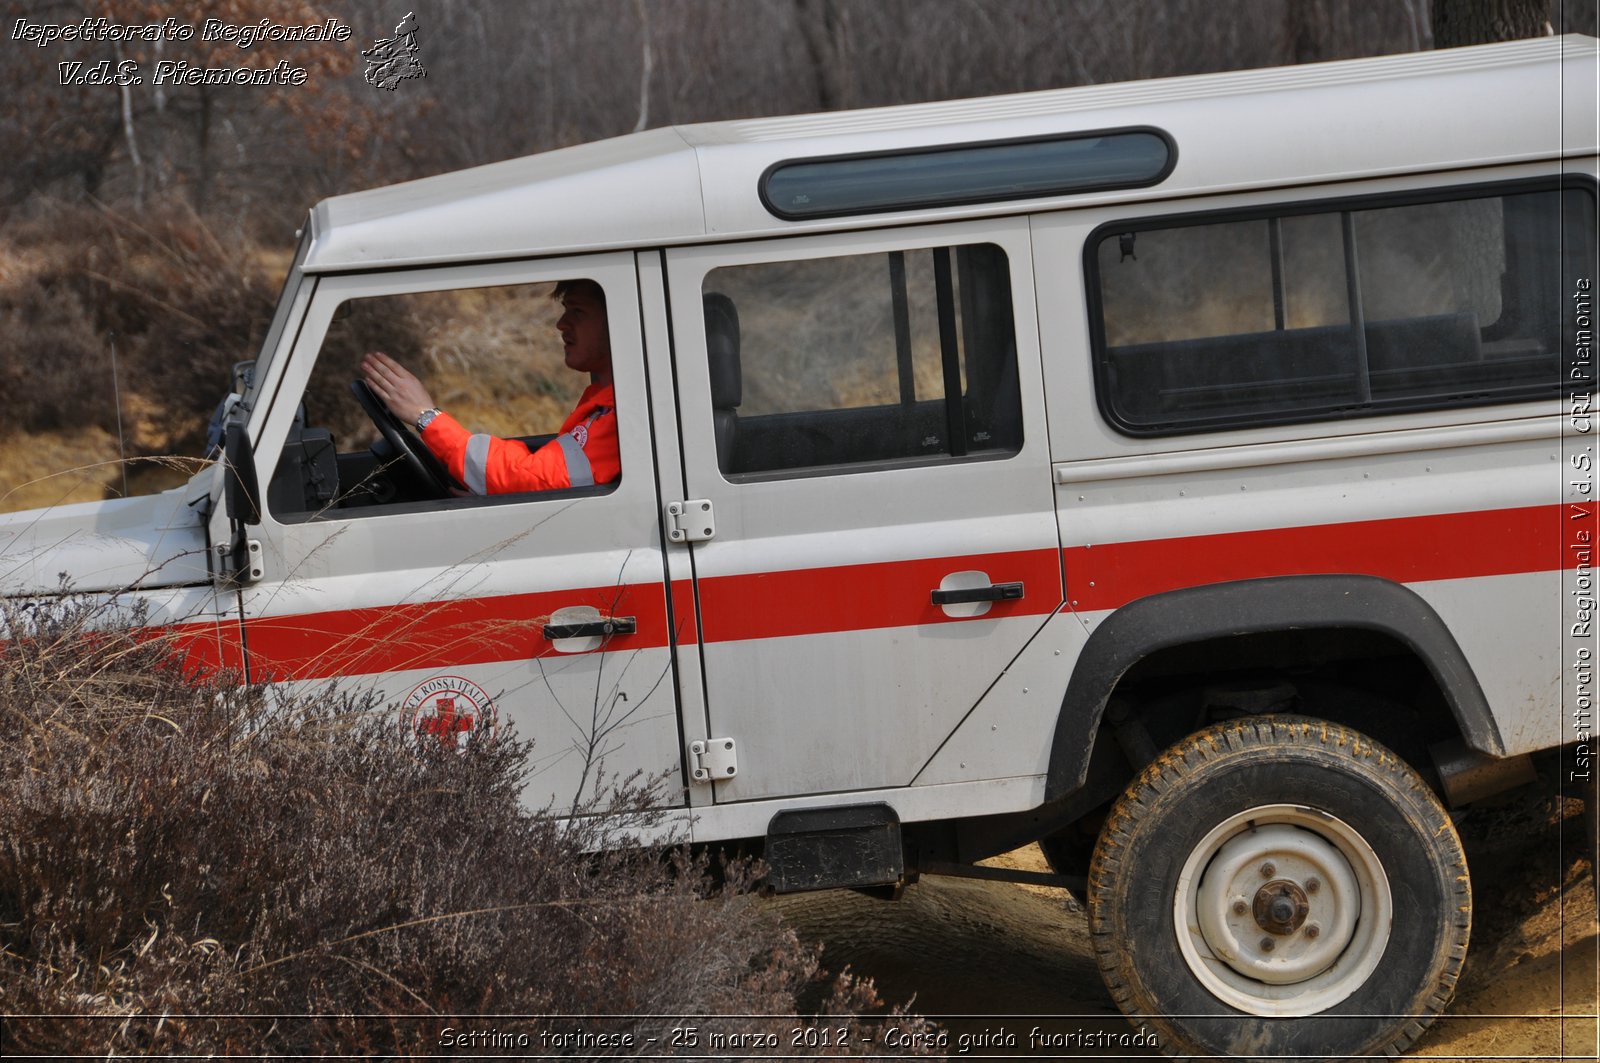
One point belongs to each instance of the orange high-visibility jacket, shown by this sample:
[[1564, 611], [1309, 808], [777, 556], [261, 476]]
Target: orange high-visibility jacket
[[584, 453]]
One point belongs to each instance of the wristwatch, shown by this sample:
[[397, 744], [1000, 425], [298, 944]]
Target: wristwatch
[[425, 418]]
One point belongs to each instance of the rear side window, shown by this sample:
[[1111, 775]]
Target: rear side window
[[1365, 308], [854, 362]]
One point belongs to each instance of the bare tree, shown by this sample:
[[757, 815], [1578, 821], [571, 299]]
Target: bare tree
[[826, 28], [506, 80], [1579, 16], [646, 64], [1462, 22], [124, 91]]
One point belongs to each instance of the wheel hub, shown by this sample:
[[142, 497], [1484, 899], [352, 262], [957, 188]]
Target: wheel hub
[[1280, 907], [1283, 910]]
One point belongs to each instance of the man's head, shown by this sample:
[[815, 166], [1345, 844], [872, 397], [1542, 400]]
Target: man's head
[[585, 334]]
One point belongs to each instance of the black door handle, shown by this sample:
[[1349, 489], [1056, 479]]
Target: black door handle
[[611, 625], [995, 592]]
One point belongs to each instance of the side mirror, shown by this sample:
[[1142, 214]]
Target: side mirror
[[241, 491]]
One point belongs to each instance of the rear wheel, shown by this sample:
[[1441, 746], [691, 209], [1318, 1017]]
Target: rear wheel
[[1243, 895]]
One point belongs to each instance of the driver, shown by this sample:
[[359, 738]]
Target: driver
[[585, 452]]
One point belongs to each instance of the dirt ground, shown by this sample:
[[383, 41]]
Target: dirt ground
[[994, 961]]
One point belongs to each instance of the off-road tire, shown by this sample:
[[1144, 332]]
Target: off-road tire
[[1166, 824]]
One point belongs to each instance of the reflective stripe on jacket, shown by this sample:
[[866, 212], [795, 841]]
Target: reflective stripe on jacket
[[585, 452]]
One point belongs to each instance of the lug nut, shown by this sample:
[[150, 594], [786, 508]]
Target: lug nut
[[1312, 930], [1313, 885], [1239, 907], [1267, 870], [1267, 945]]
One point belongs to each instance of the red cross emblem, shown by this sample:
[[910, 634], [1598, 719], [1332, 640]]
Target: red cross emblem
[[444, 723], [449, 710]]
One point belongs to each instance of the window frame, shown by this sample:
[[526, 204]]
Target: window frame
[[1333, 205], [293, 366]]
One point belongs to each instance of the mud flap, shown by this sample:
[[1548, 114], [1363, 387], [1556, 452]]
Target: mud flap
[[821, 848]]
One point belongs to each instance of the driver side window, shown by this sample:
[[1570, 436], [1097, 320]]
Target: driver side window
[[491, 357]]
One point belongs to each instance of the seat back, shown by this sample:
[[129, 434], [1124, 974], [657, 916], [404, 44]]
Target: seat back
[[727, 383]]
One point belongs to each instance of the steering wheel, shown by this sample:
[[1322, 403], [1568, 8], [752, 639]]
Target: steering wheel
[[416, 457]]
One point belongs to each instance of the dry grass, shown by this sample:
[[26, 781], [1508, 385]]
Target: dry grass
[[56, 468], [172, 300], [115, 325], [184, 854]]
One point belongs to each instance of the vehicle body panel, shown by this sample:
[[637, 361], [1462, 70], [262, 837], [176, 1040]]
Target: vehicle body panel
[[803, 628]]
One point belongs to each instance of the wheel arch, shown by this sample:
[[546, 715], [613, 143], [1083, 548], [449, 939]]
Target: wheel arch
[[1163, 621]]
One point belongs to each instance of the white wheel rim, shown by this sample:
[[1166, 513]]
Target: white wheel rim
[[1282, 910]]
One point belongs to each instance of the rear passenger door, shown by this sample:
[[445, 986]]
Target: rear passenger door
[[864, 414]]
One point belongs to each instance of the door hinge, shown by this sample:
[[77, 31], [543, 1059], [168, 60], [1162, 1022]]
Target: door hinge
[[240, 563], [714, 759], [691, 521]]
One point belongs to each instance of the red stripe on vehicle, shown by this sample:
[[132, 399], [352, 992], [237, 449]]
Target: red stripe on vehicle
[[896, 593], [686, 630], [203, 649], [437, 635], [1404, 549], [210, 648], [813, 601]]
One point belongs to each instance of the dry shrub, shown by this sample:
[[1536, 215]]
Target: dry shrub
[[191, 866], [181, 304]]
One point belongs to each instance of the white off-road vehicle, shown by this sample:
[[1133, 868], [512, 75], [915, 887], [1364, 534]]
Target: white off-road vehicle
[[1195, 476]]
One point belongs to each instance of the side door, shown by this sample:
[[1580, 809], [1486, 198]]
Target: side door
[[461, 614], [864, 414]]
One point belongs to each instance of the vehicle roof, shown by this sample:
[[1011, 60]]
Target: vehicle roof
[[1502, 103]]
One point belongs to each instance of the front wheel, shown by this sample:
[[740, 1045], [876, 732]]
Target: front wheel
[[1280, 886]]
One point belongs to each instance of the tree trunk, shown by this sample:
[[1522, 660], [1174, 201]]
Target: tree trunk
[[824, 25], [134, 159], [202, 179], [646, 64], [1462, 22]]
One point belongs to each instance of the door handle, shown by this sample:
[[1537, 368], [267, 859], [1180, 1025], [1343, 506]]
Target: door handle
[[611, 625], [995, 592]]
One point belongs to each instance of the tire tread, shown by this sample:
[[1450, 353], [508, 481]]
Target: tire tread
[[1250, 736]]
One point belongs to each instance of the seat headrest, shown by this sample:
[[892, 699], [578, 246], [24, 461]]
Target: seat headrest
[[722, 351]]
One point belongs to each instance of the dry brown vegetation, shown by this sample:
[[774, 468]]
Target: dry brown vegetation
[[164, 291], [115, 327], [185, 859]]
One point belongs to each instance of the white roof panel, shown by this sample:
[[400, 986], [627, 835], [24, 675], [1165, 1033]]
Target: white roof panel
[[1503, 103], [641, 189]]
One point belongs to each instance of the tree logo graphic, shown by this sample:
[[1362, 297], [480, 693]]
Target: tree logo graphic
[[394, 59]]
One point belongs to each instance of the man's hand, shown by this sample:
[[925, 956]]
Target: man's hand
[[392, 382]]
